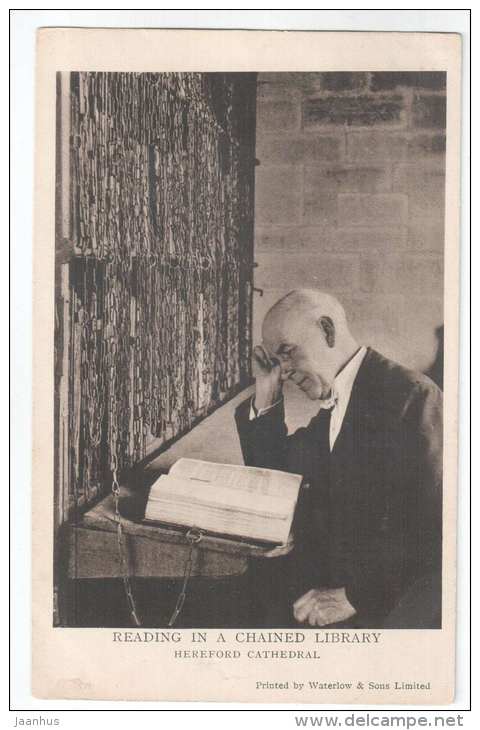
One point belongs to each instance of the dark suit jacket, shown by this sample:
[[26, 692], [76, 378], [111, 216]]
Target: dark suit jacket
[[371, 519]]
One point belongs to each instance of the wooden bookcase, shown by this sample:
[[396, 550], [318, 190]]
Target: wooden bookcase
[[154, 273]]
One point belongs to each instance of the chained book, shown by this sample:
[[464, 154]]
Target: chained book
[[236, 501]]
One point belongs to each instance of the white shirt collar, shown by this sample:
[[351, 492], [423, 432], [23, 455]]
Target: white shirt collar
[[341, 392], [343, 383]]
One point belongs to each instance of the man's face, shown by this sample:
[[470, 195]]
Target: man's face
[[299, 345]]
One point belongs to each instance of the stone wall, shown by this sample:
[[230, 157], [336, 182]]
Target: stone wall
[[350, 199]]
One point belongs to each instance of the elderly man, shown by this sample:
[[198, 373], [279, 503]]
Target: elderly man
[[367, 529]]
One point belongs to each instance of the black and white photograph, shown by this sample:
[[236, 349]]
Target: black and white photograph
[[245, 366], [248, 354]]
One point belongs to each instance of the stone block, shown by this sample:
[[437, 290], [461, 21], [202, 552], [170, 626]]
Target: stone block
[[359, 111], [283, 149], [363, 147], [286, 82], [426, 235], [279, 238], [402, 328], [429, 111], [413, 178], [323, 148], [277, 91], [333, 273], [425, 186], [288, 238], [425, 309], [372, 210], [347, 179], [428, 146], [371, 316], [278, 149], [389, 80], [275, 238], [378, 273], [418, 342], [426, 214], [278, 194], [320, 207], [277, 115], [384, 240], [373, 147], [408, 275], [344, 81], [309, 83]]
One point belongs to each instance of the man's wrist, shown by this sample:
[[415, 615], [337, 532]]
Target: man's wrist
[[259, 411]]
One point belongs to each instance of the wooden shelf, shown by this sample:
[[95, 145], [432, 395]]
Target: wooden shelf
[[153, 551]]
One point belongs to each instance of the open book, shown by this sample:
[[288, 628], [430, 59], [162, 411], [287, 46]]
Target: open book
[[238, 501]]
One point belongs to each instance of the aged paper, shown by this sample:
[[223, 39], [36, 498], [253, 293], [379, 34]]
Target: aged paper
[[364, 666]]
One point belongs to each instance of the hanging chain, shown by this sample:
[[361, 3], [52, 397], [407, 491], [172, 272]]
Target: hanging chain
[[113, 441], [122, 553], [185, 239], [156, 203], [193, 537]]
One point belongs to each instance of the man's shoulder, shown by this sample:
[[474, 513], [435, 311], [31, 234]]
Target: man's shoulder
[[391, 385]]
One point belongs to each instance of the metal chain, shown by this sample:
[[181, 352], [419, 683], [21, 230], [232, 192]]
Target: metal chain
[[156, 203], [122, 553], [118, 166], [112, 365], [193, 537]]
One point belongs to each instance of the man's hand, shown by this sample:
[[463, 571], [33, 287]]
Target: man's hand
[[268, 378], [323, 607]]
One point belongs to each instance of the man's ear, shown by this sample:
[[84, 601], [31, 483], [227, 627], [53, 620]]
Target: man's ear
[[326, 324]]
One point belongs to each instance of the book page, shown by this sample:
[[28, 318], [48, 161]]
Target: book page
[[268, 482], [204, 493], [220, 509], [223, 522]]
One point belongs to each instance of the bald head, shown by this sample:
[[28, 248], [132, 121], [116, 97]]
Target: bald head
[[307, 331], [309, 305]]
